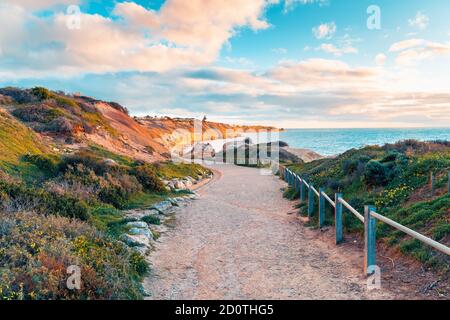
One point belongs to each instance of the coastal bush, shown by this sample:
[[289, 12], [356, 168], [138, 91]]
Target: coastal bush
[[85, 158], [171, 170], [41, 93], [18, 197], [18, 95], [291, 193], [110, 183], [16, 140], [441, 231], [60, 125], [375, 174], [350, 166], [108, 219], [36, 250], [148, 178], [106, 154], [152, 220], [67, 103], [37, 113], [46, 163], [118, 190]]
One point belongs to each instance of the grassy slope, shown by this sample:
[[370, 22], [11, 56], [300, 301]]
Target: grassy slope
[[16, 140], [31, 182], [404, 197]]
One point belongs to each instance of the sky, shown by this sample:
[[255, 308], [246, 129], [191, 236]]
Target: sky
[[286, 63]]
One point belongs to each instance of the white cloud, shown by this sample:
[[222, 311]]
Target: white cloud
[[182, 33], [325, 30], [406, 44], [420, 21], [297, 90], [330, 48], [239, 61], [320, 73], [414, 50], [40, 4], [380, 59]]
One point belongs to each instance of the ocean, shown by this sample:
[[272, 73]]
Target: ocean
[[329, 142]]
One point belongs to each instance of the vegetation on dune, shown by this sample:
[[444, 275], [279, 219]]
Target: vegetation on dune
[[171, 170], [59, 209], [62, 210], [55, 112], [16, 140], [394, 178], [36, 250]]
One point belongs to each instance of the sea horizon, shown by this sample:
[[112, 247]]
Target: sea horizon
[[329, 142], [335, 141]]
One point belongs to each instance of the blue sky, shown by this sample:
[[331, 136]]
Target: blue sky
[[290, 63]]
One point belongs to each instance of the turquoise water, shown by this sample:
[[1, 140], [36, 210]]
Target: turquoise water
[[335, 141]]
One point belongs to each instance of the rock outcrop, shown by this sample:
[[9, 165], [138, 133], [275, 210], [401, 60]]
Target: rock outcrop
[[140, 234]]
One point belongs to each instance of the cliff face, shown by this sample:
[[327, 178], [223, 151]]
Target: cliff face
[[72, 122], [176, 132]]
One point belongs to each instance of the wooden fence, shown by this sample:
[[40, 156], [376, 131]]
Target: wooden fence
[[369, 218]]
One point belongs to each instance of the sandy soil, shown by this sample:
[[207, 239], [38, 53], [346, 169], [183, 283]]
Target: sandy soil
[[242, 240]]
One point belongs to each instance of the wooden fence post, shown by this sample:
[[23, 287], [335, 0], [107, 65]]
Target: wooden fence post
[[310, 201], [302, 190], [338, 218], [370, 244], [448, 183], [321, 208]]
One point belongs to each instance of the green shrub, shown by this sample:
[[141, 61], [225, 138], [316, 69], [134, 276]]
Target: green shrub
[[170, 170], [375, 174], [151, 220], [41, 93], [148, 178], [441, 231], [20, 197], [36, 250], [85, 158], [108, 219], [114, 195], [139, 264], [350, 166], [118, 190], [67, 103], [18, 95], [61, 125], [37, 113], [290, 193], [45, 163]]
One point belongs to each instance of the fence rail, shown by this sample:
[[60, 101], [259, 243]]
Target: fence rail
[[369, 219]]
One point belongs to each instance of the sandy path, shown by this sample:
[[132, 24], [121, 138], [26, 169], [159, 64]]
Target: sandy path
[[240, 240]]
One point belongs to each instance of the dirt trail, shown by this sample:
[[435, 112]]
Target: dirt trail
[[240, 240]]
